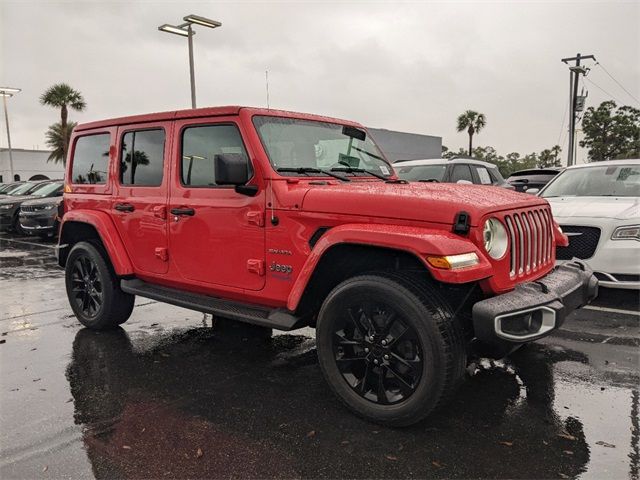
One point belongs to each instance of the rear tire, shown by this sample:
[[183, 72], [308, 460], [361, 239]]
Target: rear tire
[[389, 347], [94, 290]]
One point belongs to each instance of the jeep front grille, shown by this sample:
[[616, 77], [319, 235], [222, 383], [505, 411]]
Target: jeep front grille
[[531, 240]]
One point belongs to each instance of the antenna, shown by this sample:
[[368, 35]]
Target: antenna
[[266, 77]]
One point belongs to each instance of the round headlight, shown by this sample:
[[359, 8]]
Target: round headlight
[[495, 238]]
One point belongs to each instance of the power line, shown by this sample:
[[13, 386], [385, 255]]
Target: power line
[[564, 117], [603, 90], [619, 84]]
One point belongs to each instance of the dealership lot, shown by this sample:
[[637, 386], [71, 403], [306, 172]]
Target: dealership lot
[[170, 396]]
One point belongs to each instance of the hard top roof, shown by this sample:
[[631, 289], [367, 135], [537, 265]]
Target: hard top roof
[[442, 161], [628, 161], [206, 112]]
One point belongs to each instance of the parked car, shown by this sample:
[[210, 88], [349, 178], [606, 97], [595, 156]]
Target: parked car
[[7, 187], [288, 220], [41, 216], [10, 205], [598, 208], [457, 170], [532, 180], [22, 189]]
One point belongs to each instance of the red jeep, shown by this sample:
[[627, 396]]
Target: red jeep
[[286, 220]]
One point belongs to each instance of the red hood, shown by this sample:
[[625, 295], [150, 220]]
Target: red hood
[[432, 202]]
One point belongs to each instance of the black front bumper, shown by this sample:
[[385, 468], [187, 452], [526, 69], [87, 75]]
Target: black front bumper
[[534, 309]]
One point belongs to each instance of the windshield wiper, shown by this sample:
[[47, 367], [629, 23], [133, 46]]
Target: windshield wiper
[[349, 169], [378, 157], [308, 170]]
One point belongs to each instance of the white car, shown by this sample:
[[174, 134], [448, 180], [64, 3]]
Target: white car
[[598, 207]]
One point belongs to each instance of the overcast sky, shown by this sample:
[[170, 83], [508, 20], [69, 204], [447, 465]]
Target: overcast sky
[[410, 66]]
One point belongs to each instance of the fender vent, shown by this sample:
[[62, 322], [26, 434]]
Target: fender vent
[[316, 236]]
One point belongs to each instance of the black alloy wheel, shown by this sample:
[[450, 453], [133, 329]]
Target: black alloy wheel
[[389, 346], [377, 352], [93, 288], [86, 286]]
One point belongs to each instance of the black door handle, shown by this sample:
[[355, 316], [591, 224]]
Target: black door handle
[[124, 207], [183, 211]]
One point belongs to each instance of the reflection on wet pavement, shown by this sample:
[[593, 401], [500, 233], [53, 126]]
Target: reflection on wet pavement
[[170, 396]]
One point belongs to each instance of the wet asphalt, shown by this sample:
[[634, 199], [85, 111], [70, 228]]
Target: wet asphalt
[[179, 394]]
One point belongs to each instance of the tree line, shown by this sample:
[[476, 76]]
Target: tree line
[[610, 132]]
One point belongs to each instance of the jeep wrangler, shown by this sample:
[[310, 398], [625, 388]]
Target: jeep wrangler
[[287, 220]]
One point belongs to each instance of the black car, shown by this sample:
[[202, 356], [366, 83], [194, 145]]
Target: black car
[[41, 216], [456, 170], [534, 178], [10, 204]]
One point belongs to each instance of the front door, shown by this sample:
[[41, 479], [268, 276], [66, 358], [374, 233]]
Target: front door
[[139, 206], [217, 235]]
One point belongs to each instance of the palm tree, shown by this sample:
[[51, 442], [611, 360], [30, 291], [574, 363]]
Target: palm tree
[[472, 122], [62, 96], [139, 158], [56, 141]]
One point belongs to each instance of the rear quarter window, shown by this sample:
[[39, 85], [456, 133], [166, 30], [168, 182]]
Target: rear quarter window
[[91, 159]]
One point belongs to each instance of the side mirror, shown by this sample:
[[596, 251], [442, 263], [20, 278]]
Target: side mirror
[[464, 182], [232, 169], [532, 191]]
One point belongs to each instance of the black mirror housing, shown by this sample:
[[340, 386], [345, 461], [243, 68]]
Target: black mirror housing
[[231, 169]]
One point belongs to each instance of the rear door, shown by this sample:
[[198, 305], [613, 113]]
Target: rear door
[[139, 207], [217, 235]]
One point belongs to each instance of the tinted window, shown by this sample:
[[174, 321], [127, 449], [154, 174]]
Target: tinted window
[[91, 159], [48, 190], [142, 158], [461, 172], [200, 145], [24, 188], [496, 176]]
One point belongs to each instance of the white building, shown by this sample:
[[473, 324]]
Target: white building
[[28, 165]]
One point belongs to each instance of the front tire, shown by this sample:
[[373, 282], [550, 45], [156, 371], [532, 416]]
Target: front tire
[[94, 290], [389, 347]]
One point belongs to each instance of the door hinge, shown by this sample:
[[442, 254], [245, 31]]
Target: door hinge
[[255, 218], [160, 211], [256, 266], [162, 253]]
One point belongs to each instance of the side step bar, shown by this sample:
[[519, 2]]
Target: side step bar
[[277, 318]]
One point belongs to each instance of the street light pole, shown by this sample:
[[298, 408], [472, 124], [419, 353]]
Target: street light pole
[[8, 92], [186, 30], [192, 73]]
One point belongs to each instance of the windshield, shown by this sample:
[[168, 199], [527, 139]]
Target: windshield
[[291, 143], [415, 173], [612, 180], [47, 189], [24, 188]]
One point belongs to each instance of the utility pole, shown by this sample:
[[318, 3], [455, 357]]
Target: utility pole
[[574, 77], [4, 93]]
